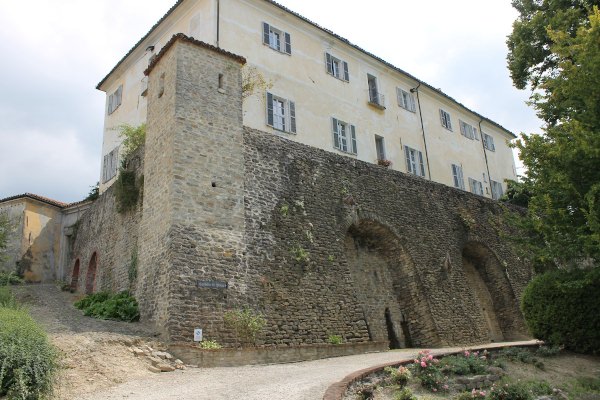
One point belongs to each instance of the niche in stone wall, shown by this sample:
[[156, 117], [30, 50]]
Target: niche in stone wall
[[492, 291], [387, 287]]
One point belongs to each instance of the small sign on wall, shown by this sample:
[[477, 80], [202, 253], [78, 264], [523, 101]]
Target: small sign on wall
[[197, 335]]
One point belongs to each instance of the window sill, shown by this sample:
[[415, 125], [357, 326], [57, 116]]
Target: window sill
[[376, 105]]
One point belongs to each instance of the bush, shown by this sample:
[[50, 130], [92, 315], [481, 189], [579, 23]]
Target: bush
[[9, 278], [7, 300], [405, 394], [400, 376], [27, 359], [210, 345], [245, 323], [104, 305], [522, 355], [335, 339], [465, 364], [427, 370], [561, 308], [509, 391]]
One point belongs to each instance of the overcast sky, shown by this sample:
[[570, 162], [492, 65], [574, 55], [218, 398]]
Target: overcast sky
[[55, 52]]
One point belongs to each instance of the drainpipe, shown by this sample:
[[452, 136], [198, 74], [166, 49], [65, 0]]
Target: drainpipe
[[487, 166], [218, 19], [416, 90]]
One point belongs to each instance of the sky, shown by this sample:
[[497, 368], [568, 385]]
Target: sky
[[54, 53]]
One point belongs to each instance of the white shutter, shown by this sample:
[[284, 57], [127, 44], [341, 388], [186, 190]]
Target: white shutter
[[269, 109], [336, 138], [288, 43], [408, 163], [266, 30], [328, 63], [292, 116], [346, 73], [421, 164], [353, 139]]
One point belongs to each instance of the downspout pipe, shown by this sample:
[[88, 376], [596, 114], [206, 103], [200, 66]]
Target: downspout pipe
[[218, 19], [487, 165], [416, 90]]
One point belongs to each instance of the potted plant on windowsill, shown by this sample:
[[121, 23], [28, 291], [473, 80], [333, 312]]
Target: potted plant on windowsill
[[384, 163]]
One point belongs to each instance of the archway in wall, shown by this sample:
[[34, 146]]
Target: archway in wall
[[75, 275], [387, 287], [90, 279], [492, 292]]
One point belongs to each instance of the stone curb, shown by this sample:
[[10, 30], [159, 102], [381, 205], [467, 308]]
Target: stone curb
[[337, 390]]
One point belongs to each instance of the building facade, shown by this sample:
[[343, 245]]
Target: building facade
[[304, 83]]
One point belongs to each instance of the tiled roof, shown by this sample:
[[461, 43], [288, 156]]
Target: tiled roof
[[184, 38], [43, 199], [179, 2]]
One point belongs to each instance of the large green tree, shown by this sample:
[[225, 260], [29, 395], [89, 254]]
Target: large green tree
[[563, 164]]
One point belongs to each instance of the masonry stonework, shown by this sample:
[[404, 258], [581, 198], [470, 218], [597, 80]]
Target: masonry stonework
[[321, 244]]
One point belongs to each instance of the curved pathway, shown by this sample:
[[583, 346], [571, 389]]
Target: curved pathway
[[298, 381]]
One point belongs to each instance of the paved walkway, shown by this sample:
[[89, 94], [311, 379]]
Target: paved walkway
[[298, 381]]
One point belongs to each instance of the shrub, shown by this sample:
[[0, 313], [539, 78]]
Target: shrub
[[425, 367], [9, 278], [548, 351], [27, 359], [509, 391], [561, 307], [104, 305], [7, 300], [335, 339], [399, 376], [465, 364], [210, 345], [538, 388], [404, 394], [473, 394], [245, 323]]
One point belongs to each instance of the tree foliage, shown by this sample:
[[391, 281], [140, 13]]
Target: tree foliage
[[133, 137], [6, 228], [530, 56], [562, 181]]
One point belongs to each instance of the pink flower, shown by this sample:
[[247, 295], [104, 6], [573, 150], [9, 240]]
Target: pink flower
[[434, 389], [445, 387], [423, 364], [467, 353], [430, 357]]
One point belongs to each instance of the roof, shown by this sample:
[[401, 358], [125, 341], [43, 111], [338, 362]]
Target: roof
[[179, 2], [184, 38], [43, 199]]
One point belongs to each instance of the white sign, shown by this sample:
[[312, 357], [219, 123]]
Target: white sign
[[197, 335]]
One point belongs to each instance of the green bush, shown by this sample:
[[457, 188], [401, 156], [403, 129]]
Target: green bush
[[7, 300], [27, 359], [9, 278], [509, 391], [210, 345], [105, 305], [245, 323], [335, 339], [404, 394], [561, 308], [465, 364]]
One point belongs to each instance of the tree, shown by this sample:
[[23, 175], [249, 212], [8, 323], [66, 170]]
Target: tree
[[563, 164], [530, 56], [133, 137], [6, 228]]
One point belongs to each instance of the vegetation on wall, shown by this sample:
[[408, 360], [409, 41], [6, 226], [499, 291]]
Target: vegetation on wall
[[6, 228], [94, 192], [555, 48], [27, 359], [127, 186], [561, 308], [253, 82], [133, 137]]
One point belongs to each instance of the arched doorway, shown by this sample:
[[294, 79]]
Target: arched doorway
[[492, 292], [90, 279], [75, 276], [387, 287]]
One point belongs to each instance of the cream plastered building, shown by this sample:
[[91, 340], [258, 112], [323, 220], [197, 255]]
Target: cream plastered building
[[309, 85]]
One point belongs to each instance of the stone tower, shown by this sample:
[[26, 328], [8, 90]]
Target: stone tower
[[192, 228]]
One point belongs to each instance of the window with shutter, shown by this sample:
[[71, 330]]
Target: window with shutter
[[110, 165], [114, 100], [488, 142], [281, 113], [445, 118], [475, 187], [414, 161], [406, 100], [467, 130], [457, 176], [497, 190], [277, 39], [344, 136], [337, 68]]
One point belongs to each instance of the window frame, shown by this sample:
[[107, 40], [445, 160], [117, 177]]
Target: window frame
[[400, 94], [468, 130], [446, 119], [414, 162], [342, 72], [488, 142], [475, 186], [458, 176], [285, 39], [288, 119], [115, 100], [495, 186], [376, 98], [380, 148], [344, 136], [110, 165]]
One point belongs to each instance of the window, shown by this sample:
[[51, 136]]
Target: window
[[488, 142], [281, 113], [475, 187], [446, 122], [497, 191], [337, 67], [375, 98], [414, 161], [344, 136], [110, 165], [277, 39], [114, 100], [380, 147], [406, 99], [457, 176], [468, 131]]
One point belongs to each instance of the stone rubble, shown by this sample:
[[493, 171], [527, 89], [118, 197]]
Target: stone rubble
[[161, 361]]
